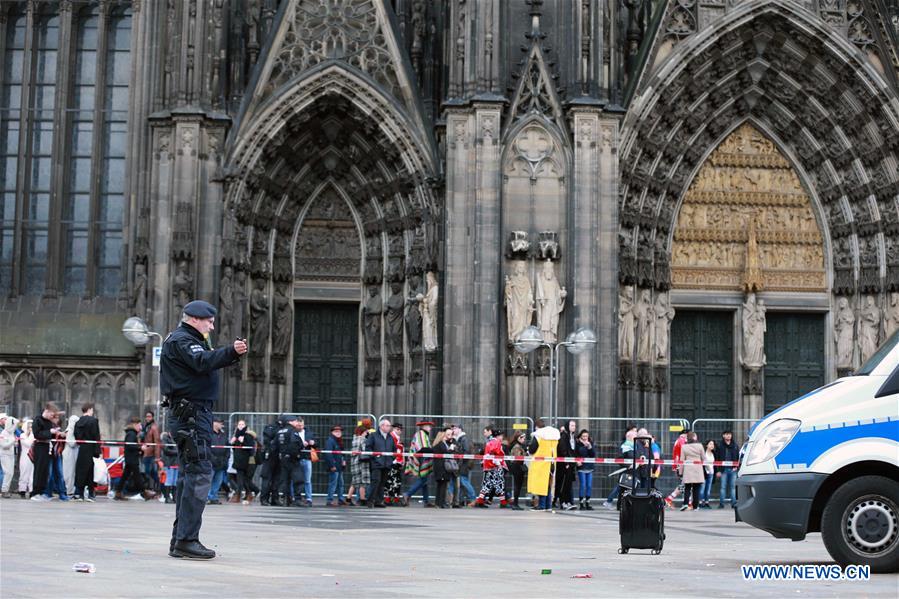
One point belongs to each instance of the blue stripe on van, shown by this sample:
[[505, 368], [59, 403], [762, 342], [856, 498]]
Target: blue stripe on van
[[808, 446]]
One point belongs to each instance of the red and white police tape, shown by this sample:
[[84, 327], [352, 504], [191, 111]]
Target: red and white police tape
[[458, 456]]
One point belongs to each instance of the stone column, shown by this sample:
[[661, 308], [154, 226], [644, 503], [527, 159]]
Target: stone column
[[594, 272], [487, 243], [458, 364]]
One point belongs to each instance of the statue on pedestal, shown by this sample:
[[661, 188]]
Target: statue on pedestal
[[550, 302], [519, 299], [754, 327], [645, 321], [428, 306], [371, 316], [664, 314], [868, 328], [844, 325], [626, 324]]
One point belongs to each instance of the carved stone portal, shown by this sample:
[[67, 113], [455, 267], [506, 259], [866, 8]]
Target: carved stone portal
[[747, 178]]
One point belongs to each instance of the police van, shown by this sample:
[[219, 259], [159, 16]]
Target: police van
[[828, 462]]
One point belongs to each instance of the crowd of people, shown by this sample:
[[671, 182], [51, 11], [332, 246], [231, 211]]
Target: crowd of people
[[51, 456]]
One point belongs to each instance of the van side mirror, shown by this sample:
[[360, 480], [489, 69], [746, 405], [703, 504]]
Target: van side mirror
[[890, 386]]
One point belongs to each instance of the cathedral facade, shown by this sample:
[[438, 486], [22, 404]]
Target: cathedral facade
[[380, 195]]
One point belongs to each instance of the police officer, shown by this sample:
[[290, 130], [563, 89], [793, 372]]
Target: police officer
[[268, 495], [190, 383], [290, 444]]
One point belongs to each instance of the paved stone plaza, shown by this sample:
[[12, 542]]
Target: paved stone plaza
[[320, 552]]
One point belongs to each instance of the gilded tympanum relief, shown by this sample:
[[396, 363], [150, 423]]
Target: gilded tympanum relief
[[747, 223]]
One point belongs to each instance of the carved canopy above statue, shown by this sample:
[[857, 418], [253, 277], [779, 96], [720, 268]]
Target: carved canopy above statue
[[747, 178]]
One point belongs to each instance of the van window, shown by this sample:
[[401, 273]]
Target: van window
[[878, 356]]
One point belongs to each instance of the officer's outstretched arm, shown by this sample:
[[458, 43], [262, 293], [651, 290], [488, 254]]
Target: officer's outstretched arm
[[205, 360]]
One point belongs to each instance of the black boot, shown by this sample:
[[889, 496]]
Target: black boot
[[581, 504], [587, 505], [191, 550], [169, 495]]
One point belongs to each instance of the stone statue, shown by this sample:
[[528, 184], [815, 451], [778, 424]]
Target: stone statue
[[413, 315], [868, 328], [519, 299], [754, 327], [139, 299], [844, 323], [891, 316], [645, 321], [626, 324], [550, 302], [371, 318], [259, 317], [282, 311], [664, 314], [393, 320], [182, 286], [752, 273], [428, 306], [226, 303]]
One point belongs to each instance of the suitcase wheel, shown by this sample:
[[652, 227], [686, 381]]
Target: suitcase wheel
[[622, 550], [656, 551]]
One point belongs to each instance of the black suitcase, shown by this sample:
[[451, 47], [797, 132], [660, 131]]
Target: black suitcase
[[641, 522]]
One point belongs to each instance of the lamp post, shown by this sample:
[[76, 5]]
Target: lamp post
[[576, 343], [138, 332]]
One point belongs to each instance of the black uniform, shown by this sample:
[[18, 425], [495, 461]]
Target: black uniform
[[86, 429], [188, 372], [289, 447], [270, 465]]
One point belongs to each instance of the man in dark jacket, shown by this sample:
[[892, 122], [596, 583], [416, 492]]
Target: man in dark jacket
[[86, 429], [727, 450], [270, 464], [131, 476], [43, 430], [335, 462], [380, 440], [565, 472], [219, 460]]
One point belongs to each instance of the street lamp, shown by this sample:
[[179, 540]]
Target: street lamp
[[576, 343], [138, 332]]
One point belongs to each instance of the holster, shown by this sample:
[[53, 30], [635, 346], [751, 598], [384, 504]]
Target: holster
[[183, 409], [187, 445]]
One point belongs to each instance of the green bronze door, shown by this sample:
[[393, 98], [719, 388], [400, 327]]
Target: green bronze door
[[794, 350], [325, 354], [702, 383]]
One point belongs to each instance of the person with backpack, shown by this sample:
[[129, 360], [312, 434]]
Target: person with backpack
[[268, 494]]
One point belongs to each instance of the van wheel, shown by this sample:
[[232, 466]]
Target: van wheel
[[860, 524]]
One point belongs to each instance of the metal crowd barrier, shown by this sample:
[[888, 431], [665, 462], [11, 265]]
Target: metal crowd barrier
[[319, 424], [474, 430], [608, 435]]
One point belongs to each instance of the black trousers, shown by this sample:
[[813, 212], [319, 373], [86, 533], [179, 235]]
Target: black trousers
[[245, 482], [691, 492], [270, 477], [564, 480], [41, 468], [291, 473], [517, 481], [84, 471], [378, 482], [442, 486], [131, 470]]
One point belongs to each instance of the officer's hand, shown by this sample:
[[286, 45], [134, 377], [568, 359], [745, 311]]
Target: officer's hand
[[240, 346]]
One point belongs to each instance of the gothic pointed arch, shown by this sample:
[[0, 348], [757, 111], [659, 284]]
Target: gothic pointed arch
[[357, 35], [831, 109]]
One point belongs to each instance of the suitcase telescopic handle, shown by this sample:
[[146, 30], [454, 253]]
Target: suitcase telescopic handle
[[648, 454]]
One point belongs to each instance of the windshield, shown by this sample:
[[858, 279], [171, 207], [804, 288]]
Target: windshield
[[878, 356]]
